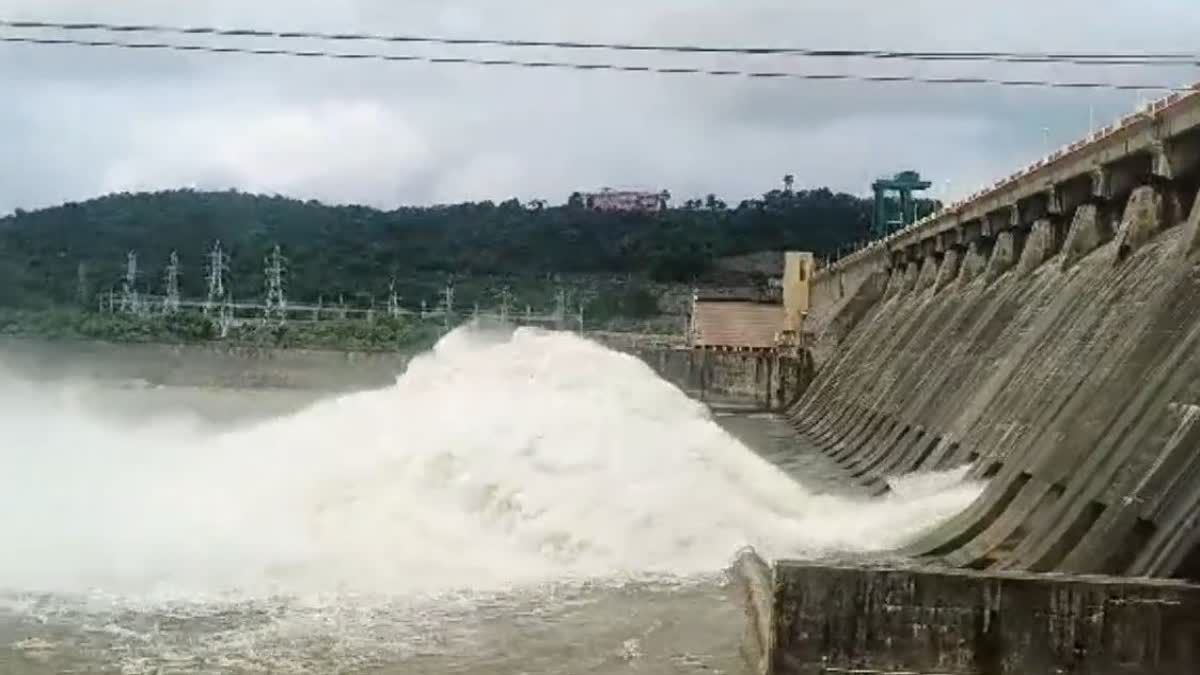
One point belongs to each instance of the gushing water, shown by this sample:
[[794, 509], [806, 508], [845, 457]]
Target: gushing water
[[497, 461]]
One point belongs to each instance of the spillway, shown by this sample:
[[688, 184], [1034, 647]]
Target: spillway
[[1044, 331]]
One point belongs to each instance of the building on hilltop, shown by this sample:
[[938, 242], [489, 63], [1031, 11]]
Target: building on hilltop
[[629, 201]]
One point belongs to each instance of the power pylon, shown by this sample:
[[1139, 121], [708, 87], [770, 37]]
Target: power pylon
[[560, 307], [218, 265], [506, 299], [81, 282], [130, 300], [171, 299], [393, 307], [447, 304], [275, 304]]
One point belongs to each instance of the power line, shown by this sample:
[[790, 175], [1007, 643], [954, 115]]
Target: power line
[[1077, 58], [612, 67]]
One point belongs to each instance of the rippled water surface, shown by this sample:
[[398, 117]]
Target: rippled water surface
[[605, 628]]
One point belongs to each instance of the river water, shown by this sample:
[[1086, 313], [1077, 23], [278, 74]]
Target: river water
[[524, 502]]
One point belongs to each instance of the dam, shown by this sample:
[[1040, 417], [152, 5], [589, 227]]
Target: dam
[[1033, 347], [1044, 332]]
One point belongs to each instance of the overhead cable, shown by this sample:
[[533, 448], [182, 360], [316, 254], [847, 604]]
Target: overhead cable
[[1077, 58], [567, 65]]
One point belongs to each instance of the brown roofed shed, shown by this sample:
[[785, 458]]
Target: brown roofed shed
[[735, 324]]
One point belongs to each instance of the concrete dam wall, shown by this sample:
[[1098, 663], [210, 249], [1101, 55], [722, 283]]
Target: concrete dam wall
[[830, 619], [1053, 343], [1069, 378], [1045, 332], [753, 379]]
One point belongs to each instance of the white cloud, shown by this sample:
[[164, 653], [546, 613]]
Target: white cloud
[[82, 122], [341, 151]]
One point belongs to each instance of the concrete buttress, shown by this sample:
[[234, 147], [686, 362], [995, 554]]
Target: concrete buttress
[[1044, 334]]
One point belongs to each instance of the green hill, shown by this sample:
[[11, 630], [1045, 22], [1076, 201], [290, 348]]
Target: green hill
[[354, 251]]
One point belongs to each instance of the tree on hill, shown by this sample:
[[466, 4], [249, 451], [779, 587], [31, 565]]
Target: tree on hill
[[344, 250]]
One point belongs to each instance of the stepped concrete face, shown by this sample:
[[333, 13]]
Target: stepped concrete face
[[929, 273], [1068, 376], [1004, 254], [1144, 215], [948, 272], [1089, 230], [1190, 245], [974, 264], [1041, 245], [1073, 391], [1062, 364]]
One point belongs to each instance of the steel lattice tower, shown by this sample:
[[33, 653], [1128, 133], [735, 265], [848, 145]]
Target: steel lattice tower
[[218, 264], [81, 281], [506, 298], [130, 301], [275, 304], [560, 307], [171, 301], [393, 307], [447, 305]]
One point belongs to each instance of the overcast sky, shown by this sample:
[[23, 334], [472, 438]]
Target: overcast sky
[[77, 123]]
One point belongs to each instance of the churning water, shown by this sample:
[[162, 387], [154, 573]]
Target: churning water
[[517, 502]]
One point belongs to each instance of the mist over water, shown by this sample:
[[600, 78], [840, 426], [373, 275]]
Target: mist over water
[[498, 461], [494, 460]]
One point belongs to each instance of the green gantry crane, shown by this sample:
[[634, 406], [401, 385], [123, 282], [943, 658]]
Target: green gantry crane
[[905, 184]]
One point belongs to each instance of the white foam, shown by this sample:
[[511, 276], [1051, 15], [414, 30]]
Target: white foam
[[497, 459]]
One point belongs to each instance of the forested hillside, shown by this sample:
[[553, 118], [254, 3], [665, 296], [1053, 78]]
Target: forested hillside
[[355, 251]]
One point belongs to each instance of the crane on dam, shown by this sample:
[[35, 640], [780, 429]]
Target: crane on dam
[[904, 184]]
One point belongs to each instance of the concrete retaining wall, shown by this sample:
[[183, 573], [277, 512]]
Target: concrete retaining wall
[[758, 379], [838, 620], [840, 295], [742, 378]]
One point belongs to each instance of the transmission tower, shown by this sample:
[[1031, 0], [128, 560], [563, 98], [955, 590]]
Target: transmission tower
[[171, 301], [130, 302], [225, 317], [506, 298], [275, 305], [393, 307], [218, 264], [447, 304], [81, 281], [560, 307]]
